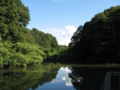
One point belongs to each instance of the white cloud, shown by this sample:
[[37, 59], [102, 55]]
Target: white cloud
[[63, 35], [71, 28]]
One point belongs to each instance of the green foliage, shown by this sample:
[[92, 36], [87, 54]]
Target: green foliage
[[24, 53], [44, 39], [20, 54], [31, 51], [20, 46], [99, 38], [13, 16]]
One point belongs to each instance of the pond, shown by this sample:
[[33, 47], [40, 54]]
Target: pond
[[60, 78]]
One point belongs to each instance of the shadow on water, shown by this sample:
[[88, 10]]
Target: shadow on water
[[95, 79], [61, 78]]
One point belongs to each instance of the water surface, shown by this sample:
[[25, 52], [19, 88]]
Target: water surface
[[61, 78]]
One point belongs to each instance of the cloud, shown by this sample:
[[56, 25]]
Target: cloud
[[63, 35], [65, 70], [71, 29]]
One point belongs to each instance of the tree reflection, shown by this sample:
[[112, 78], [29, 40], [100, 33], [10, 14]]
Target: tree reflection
[[25, 80], [94, 79]]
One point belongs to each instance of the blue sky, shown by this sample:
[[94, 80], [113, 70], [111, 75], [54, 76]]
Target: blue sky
[[62, 17]]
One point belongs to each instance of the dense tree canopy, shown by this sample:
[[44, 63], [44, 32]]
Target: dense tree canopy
[[21, 46], [99, 38], [13, 17], [44, 39]]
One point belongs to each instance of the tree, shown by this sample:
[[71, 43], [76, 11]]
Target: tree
[[44, 39], [76, 37], [13, 16], [99, 38]]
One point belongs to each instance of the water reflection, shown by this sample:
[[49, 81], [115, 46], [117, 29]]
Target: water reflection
[[61, 82], [49, 78], [95, 79], [26, 80]]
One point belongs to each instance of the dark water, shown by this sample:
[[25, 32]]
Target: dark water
[[64, 78]]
